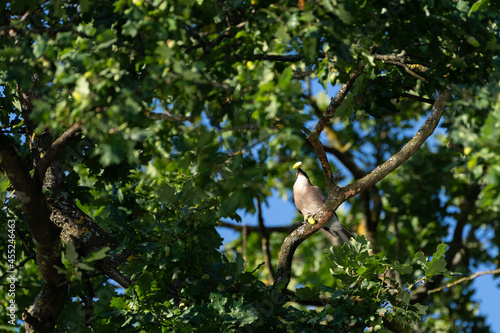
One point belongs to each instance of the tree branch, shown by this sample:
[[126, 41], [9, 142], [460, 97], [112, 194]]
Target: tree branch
[[250, 229], [314, 136], [400, 60], [300, 234], [467, 278], [41, 316], [404, 154], [57, 146], [336, 197], [336, 101], [418, 98], [279, 57], [87, 236]]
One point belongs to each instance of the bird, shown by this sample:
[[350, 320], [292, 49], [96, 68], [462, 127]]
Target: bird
[[309, 199]]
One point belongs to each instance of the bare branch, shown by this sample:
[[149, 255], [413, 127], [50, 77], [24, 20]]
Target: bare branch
[[401, 61], [291, 243], [418, 98], [279, 57], [169, 117], [250, 229], [314, 136], [467, 278], [404, 154], [337, 195], [336, 101]]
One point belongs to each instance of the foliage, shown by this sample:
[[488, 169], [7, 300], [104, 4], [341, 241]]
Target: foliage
[[193, 112]]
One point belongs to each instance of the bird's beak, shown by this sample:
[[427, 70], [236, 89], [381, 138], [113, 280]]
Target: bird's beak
[[297, 165]]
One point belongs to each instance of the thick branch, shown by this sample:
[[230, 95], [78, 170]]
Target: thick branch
[[284, 271], [404, 154], [29, 194], [327, 171], [87, 236], [42, 315], [372, 195]]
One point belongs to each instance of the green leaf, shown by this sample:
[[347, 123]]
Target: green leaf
[[441, 250], [84, 266], [218, 302], [70, 252], [143, 284], [97, 255], [166, 194], [436, 267], [421, 309], [421, 259], [285, 78], [307, 293], [478, 5], [244, 314]]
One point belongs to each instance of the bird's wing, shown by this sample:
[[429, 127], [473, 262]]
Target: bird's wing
[[313, 200], [317, 194], [295, 201]]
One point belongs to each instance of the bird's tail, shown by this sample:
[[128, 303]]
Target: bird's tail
[[343, 233]]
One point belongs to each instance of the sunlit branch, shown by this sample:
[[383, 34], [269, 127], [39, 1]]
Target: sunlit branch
[[464, 279]]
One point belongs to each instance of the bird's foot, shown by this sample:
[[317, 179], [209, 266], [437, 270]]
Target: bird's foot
[[311, 221]]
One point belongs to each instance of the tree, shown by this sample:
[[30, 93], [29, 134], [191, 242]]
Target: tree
[[130, 130]]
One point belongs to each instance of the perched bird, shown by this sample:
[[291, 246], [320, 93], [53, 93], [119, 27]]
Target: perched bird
[[309, 199]]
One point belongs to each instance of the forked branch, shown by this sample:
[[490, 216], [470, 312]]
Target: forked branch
[[337, 196]]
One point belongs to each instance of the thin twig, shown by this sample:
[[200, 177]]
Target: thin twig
[[382, 283], [416, 282], [21, 264], [250, 229], [467, 278], [418, 98], [244, 236]]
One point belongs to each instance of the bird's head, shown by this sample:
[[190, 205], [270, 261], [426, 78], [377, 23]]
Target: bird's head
[[300, 172]]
